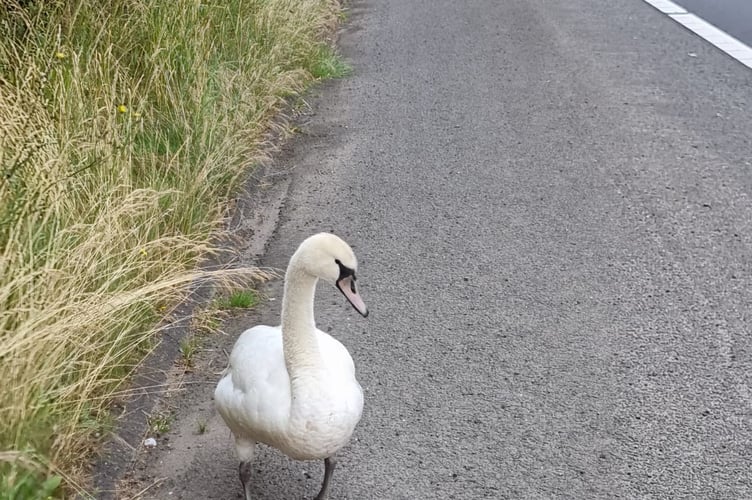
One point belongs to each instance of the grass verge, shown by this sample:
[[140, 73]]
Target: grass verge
[[122, 133]]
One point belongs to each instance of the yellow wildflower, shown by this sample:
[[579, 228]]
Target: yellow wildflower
[[122, 108], [143, 252], [60, 54]]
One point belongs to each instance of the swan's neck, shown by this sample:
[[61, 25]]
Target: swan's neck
[[298, 324]]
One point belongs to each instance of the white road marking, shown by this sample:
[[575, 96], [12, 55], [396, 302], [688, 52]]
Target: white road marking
[[667, 7], [719, 38]]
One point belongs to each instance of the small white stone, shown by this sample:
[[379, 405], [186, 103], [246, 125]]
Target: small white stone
[[150, 442]]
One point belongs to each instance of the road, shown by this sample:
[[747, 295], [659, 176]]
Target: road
[[551, 204], [732, 16]]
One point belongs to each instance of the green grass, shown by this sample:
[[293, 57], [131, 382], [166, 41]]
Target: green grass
[[188, 348], [123, 132], [202, 426], [160, 423], [329, 64], [242, 299], [20, 484]]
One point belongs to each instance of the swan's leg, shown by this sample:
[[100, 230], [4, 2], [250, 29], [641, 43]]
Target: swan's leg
[[245, 470], [329, 464], [245, 451]]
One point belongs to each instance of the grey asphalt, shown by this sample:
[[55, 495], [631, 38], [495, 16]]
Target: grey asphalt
[[550, 202], [732, 16]]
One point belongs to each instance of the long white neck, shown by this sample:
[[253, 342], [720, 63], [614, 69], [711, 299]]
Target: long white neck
[[298, 324]]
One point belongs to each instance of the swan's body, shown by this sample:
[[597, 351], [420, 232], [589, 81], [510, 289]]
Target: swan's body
[[293, 387], [255, 397]]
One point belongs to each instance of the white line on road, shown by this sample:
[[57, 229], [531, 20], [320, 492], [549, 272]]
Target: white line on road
[[717, 37], [667, 7]]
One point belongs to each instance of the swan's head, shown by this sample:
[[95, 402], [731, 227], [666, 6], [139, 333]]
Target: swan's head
[[329, 258]]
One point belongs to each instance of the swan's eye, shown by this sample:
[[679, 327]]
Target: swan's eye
[[344, 271]]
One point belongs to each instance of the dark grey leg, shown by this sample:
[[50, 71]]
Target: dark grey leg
[[245, 478], [329, 464]]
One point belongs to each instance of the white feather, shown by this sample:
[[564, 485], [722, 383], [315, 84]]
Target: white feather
[[254, 397], [295, 391]]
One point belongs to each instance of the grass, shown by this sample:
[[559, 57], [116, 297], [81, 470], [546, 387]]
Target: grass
[[123, 132], [329, 64], [241, 299], [188, 348], [23, 484], [202, 426], [208, 320], [160, 423]]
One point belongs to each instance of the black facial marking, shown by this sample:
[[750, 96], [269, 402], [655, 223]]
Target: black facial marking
[[344, 271]]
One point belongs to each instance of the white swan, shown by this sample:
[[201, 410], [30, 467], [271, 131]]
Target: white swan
[[293, 386]]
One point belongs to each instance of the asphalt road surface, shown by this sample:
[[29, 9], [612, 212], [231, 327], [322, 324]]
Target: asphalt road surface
[[732, 16], [552, 207]]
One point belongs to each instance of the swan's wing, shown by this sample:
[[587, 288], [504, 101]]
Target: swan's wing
[[254, 396], [335, 355], [341, 368]]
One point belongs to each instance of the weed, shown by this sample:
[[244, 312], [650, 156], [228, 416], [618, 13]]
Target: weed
[[243, 299], [206, 321], [329, 64], [22, 477], [28, 486], [202, 426], [188, 347], [160, 423]]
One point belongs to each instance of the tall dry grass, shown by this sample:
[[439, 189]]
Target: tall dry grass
[[122, 132]]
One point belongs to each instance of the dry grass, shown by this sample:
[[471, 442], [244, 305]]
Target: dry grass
[[122, 133]]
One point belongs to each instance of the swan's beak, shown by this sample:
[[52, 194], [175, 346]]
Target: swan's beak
[[347, 286]]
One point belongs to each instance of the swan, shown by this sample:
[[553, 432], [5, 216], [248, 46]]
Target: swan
[[293, 387]]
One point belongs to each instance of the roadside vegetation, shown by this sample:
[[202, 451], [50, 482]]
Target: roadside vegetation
[[123, 131]]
